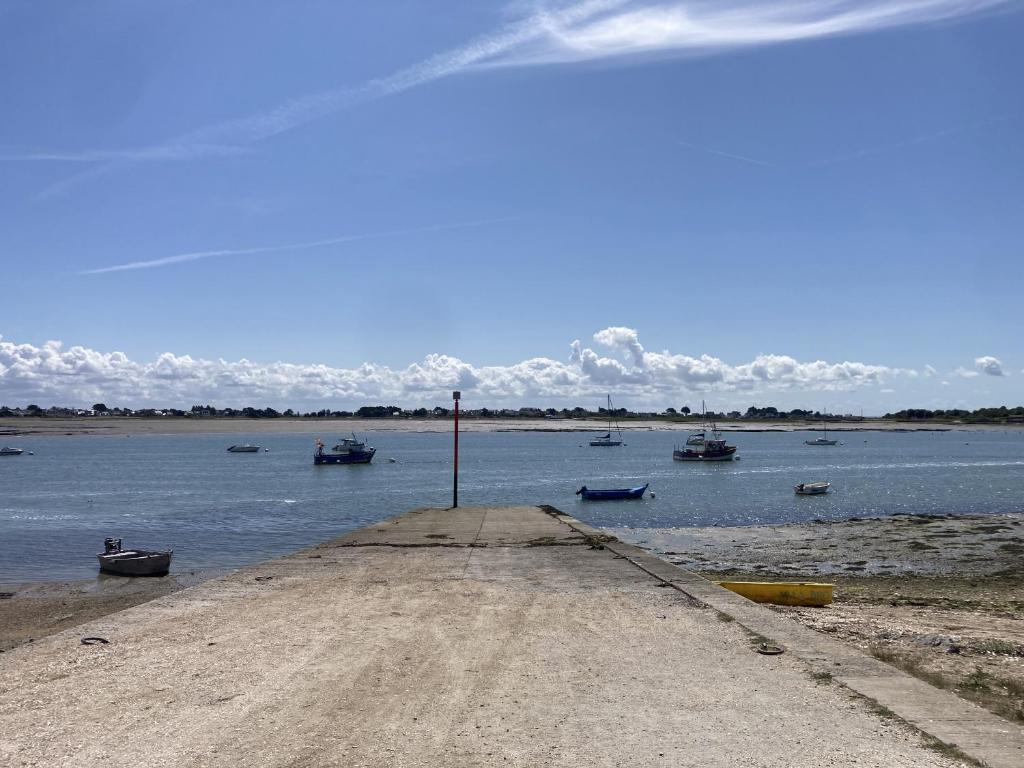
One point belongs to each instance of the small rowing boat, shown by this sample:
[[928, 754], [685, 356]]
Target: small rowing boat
[[605, 494], [811, 489]]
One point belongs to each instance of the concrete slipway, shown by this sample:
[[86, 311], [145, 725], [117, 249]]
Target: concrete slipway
[[469, 637]]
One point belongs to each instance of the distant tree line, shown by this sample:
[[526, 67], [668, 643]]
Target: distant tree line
[[979, 415], [1001, 414]]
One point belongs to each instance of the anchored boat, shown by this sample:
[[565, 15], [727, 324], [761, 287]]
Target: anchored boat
[[349, 451], [823, 440], [607, 439], [706, 445], [5, 451], [247, 448], [811, 489], [606, 494]]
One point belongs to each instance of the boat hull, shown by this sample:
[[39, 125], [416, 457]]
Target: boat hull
[[781, 593], [135, 562], [605, 442], [727, 455], [610, 494], [811, 489], [820, 441], [11, 451], [353, 457], [244, 449]]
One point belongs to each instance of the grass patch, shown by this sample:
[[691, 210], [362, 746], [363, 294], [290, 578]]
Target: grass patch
[[998, 647], [909, 664], [725, 617], [951, 751], [979, 680], [823, 678]]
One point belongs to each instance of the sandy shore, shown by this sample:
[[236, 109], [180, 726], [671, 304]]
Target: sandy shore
[[120, 426], [941, 597]]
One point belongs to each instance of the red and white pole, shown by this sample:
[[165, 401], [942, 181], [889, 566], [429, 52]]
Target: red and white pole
[[455, 476]]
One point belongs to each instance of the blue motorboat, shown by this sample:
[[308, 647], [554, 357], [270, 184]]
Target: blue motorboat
[[605, 494], [349, 451]]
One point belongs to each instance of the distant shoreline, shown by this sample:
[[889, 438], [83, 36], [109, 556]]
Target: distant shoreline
[[171, 425]]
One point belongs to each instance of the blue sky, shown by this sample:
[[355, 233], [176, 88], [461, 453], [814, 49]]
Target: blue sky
[[338, 203]]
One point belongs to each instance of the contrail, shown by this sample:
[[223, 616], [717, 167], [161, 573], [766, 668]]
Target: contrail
[[587, 31], [731, 155], [197, 255], [297, 112]]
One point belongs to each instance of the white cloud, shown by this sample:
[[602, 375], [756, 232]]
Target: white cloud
[[964, 373], [695, 27], [989, 365], [51, 374]]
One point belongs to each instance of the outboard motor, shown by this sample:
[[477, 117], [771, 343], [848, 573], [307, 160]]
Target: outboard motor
[[111, 545]]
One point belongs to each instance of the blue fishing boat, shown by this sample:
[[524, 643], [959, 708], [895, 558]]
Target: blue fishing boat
[[603, 494], [348, 451]]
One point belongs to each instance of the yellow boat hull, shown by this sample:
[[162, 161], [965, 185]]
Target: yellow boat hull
[[781, 592]]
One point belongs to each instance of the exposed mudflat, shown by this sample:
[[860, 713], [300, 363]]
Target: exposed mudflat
[[171, 425], [940, 596]]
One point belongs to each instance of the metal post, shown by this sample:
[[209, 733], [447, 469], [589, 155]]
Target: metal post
[[455, 475]]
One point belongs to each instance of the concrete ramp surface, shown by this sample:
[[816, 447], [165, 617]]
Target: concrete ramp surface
[[469, 637]]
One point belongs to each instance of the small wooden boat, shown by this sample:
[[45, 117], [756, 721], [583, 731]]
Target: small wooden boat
[[247, 448], [5, 451], [811, 489], [781, 592], [133, 562], [599, 494]]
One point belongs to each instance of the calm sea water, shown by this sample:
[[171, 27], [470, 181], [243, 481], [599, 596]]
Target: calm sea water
[[222, 510]]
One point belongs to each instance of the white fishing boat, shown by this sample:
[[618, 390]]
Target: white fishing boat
[[811, 489], [606, 439]]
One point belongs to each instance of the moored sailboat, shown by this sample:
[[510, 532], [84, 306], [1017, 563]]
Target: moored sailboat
[[607, 439], [823, 440]]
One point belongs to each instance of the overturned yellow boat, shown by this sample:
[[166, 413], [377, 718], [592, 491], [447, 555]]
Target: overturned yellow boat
[[781, 592]]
